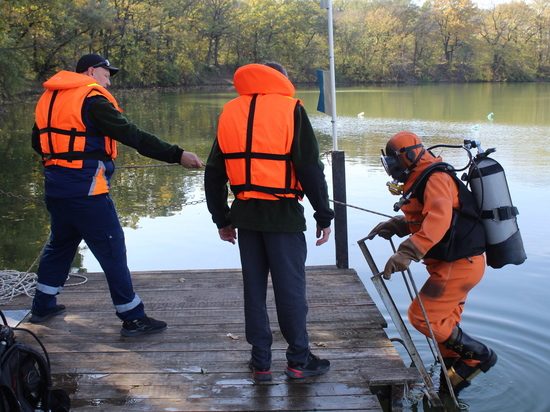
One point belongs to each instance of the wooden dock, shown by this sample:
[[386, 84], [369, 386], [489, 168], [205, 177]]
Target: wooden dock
[[200, 362]]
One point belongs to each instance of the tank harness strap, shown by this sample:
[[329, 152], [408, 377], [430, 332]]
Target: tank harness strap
[[500, 213], [417, 189]]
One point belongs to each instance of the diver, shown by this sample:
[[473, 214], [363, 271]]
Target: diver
[[442, 218]]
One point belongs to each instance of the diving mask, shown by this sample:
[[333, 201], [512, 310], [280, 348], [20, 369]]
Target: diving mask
[[393, 167]]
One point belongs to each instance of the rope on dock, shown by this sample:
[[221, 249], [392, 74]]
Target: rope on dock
[[14, 283]]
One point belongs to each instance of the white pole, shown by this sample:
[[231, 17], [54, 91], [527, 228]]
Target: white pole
[[332, 75]]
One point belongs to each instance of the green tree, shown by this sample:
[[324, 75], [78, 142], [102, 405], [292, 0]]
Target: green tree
[[541, 39], [187, 42], [509, 31], [455, 20]]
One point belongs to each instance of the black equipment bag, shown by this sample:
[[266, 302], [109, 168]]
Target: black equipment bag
[[25, 378]]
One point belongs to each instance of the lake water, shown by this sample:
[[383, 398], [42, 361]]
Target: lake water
[[168, 226]]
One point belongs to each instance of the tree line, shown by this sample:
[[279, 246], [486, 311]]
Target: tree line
[[176, 43]]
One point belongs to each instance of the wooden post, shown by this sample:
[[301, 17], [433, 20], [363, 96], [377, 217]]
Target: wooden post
[[341, 217]]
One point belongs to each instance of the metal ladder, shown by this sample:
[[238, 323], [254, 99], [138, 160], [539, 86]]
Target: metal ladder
[[378, 281]]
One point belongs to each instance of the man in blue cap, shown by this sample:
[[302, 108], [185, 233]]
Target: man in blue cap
[[77, 127]]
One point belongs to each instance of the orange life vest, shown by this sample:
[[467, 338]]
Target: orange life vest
[[63, 135], [255, 134]]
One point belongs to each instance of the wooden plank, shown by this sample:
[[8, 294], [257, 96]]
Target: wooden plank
[[218, 388], [317, 403], [163, 299], [351, 377], [324, 321], [183, 361], [187, 343]]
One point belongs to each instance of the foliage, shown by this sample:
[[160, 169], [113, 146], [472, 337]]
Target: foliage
[[189, 42]]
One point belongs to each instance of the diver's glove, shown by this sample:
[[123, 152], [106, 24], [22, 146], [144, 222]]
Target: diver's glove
[[397, 225], [401, 259]]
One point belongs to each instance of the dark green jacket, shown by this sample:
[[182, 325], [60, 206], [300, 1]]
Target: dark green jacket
[[285, 215]]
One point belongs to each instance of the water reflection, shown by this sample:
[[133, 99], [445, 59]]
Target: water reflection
[[166, 229]]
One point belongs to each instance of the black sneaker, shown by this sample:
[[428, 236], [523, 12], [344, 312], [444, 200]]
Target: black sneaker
[[315, 366], [44, 316], [142, 326], [260, 375]]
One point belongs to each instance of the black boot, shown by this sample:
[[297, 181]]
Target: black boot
[[468, 348]]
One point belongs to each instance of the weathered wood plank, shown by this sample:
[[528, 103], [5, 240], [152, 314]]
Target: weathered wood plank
[[81, 321], [351, 377], [197, 342], [315, 403], [220, 388], [220, 361], [177, 300]]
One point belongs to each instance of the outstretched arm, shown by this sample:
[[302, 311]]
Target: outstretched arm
[[101, 115]]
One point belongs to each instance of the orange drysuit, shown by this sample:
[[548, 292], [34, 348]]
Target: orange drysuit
[[445, 291]]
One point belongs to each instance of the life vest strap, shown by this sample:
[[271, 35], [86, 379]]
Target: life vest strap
[[50, 112], [71, 132], [265, 189], [256, 155], [70, 156], [248, 149]]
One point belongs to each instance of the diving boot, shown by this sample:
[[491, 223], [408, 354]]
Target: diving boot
[[460, 373]]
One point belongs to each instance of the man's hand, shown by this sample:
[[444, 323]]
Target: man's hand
[[190, 160], [228, 233], [322, 235]]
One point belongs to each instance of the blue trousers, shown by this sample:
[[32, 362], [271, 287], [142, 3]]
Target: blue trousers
[[284, 255], [94, 219]]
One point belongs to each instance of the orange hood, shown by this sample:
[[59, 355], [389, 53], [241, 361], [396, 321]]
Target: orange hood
[[262, 79], [406, 139], [68, 80]]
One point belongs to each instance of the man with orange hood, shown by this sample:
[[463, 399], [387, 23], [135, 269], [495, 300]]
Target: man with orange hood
[[266, 149], [77, 126], [441, 216]]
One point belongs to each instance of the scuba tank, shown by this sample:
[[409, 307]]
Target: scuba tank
[[488, 184]]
